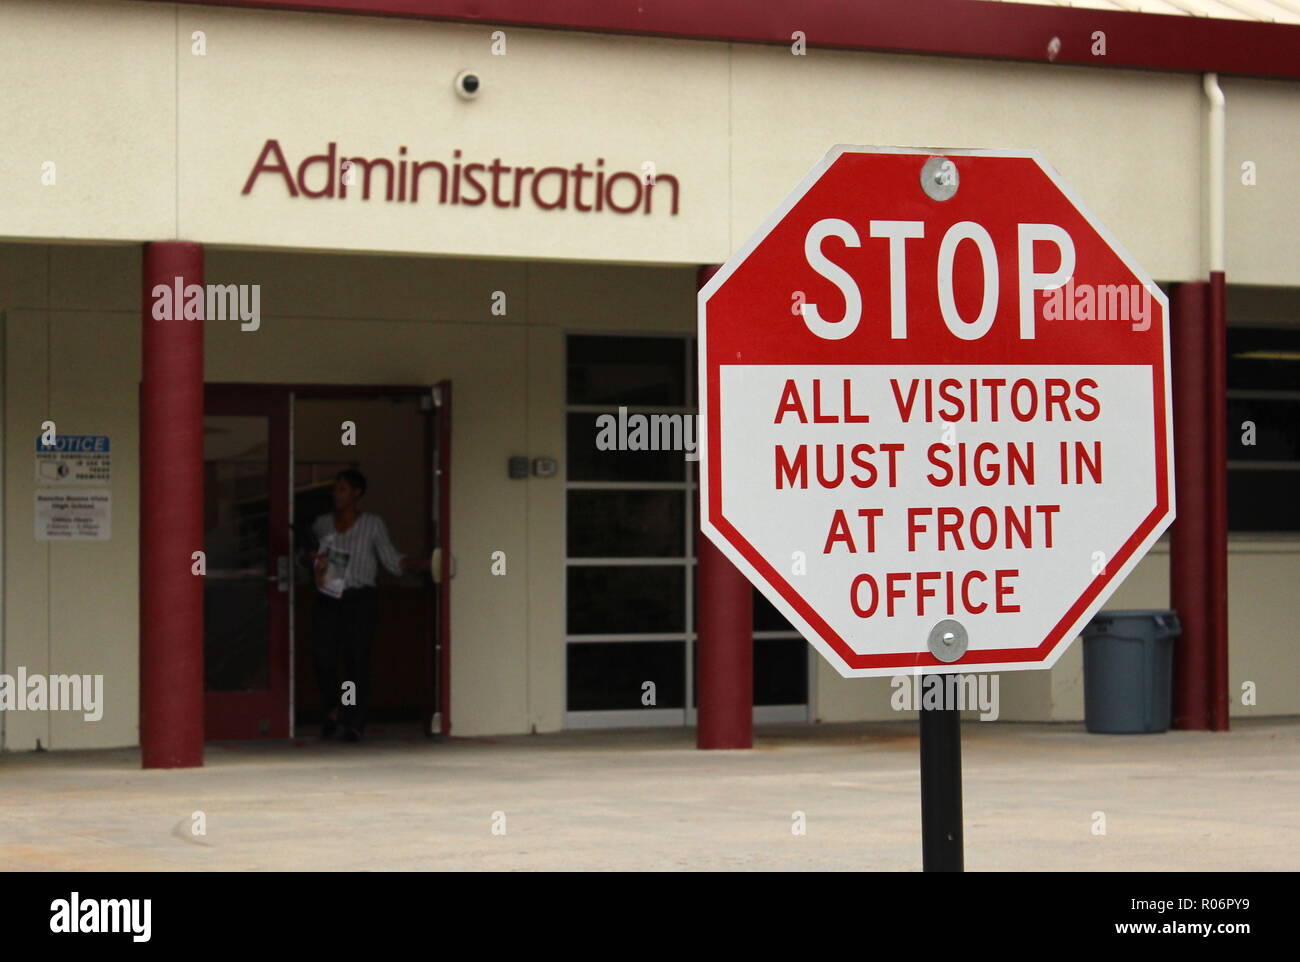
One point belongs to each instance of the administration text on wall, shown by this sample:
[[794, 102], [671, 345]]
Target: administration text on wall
[[459, 181]]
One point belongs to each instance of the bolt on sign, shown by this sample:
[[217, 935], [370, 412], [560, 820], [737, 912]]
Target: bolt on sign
[[935, 417]]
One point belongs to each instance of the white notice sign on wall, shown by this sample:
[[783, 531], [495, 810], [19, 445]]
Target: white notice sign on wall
[[66, 514]]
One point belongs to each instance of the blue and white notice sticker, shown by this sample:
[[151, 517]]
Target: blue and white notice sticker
[[79, 459]]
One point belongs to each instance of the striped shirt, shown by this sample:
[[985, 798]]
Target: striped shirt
[[366, 541]]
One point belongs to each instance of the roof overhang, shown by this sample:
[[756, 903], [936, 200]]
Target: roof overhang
[[961, 28]]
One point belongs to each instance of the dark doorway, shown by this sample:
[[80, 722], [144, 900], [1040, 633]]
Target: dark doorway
[[391, 439], [273, 453]]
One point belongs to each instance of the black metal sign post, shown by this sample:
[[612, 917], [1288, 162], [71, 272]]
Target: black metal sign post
[[941, 835]]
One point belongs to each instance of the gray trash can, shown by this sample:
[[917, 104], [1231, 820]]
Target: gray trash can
[[1128, 668]]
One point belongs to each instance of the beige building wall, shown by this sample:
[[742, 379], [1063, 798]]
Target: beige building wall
[[90, 89], [1099, 128], [72, 350], [1262, 193], [153, 140]]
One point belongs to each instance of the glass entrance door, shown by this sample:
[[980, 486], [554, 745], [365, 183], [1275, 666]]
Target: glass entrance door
[[249, 576]]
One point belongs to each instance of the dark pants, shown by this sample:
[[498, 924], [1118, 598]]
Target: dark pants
[[344, 626]]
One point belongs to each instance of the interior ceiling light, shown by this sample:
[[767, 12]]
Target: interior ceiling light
[[1266, 355]]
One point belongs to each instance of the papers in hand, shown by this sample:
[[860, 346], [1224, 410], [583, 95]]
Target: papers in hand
[[331, 580]]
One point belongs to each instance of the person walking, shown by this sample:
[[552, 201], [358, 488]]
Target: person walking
[[351, 543]]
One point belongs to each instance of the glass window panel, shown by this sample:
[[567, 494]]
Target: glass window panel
[[1260, 500], [626, 524], [236, 635], [695, 597], [626, 370], [780, 671], [692, 369], [1264, 359], [695, 674], [1277, 429], [766, 617], [632, 599], [586, 462], [605, 676]]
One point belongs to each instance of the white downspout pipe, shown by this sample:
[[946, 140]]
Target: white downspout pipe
[[4, 425], [1217, 712], [1215, 173]]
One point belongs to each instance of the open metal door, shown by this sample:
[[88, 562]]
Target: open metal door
[[246, 589], [442, 565]]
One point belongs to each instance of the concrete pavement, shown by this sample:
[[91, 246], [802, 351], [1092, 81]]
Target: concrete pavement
[[647, 800]]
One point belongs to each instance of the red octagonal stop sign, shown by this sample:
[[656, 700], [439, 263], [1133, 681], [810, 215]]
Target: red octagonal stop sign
[[934, 411]]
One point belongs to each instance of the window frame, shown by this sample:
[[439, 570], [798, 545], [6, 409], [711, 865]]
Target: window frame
[[689, 485]]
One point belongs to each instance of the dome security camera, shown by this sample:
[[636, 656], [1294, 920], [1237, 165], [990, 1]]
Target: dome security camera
[[468, 85]]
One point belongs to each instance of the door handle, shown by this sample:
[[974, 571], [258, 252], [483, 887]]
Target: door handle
[[435, 566], [281, 576]]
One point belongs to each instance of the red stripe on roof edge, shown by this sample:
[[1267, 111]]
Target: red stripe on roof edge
[[962, 28]]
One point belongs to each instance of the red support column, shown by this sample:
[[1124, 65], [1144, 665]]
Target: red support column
[[724, 666], [171, 511], [1190, 544], [725, 651], [1216, 476]]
